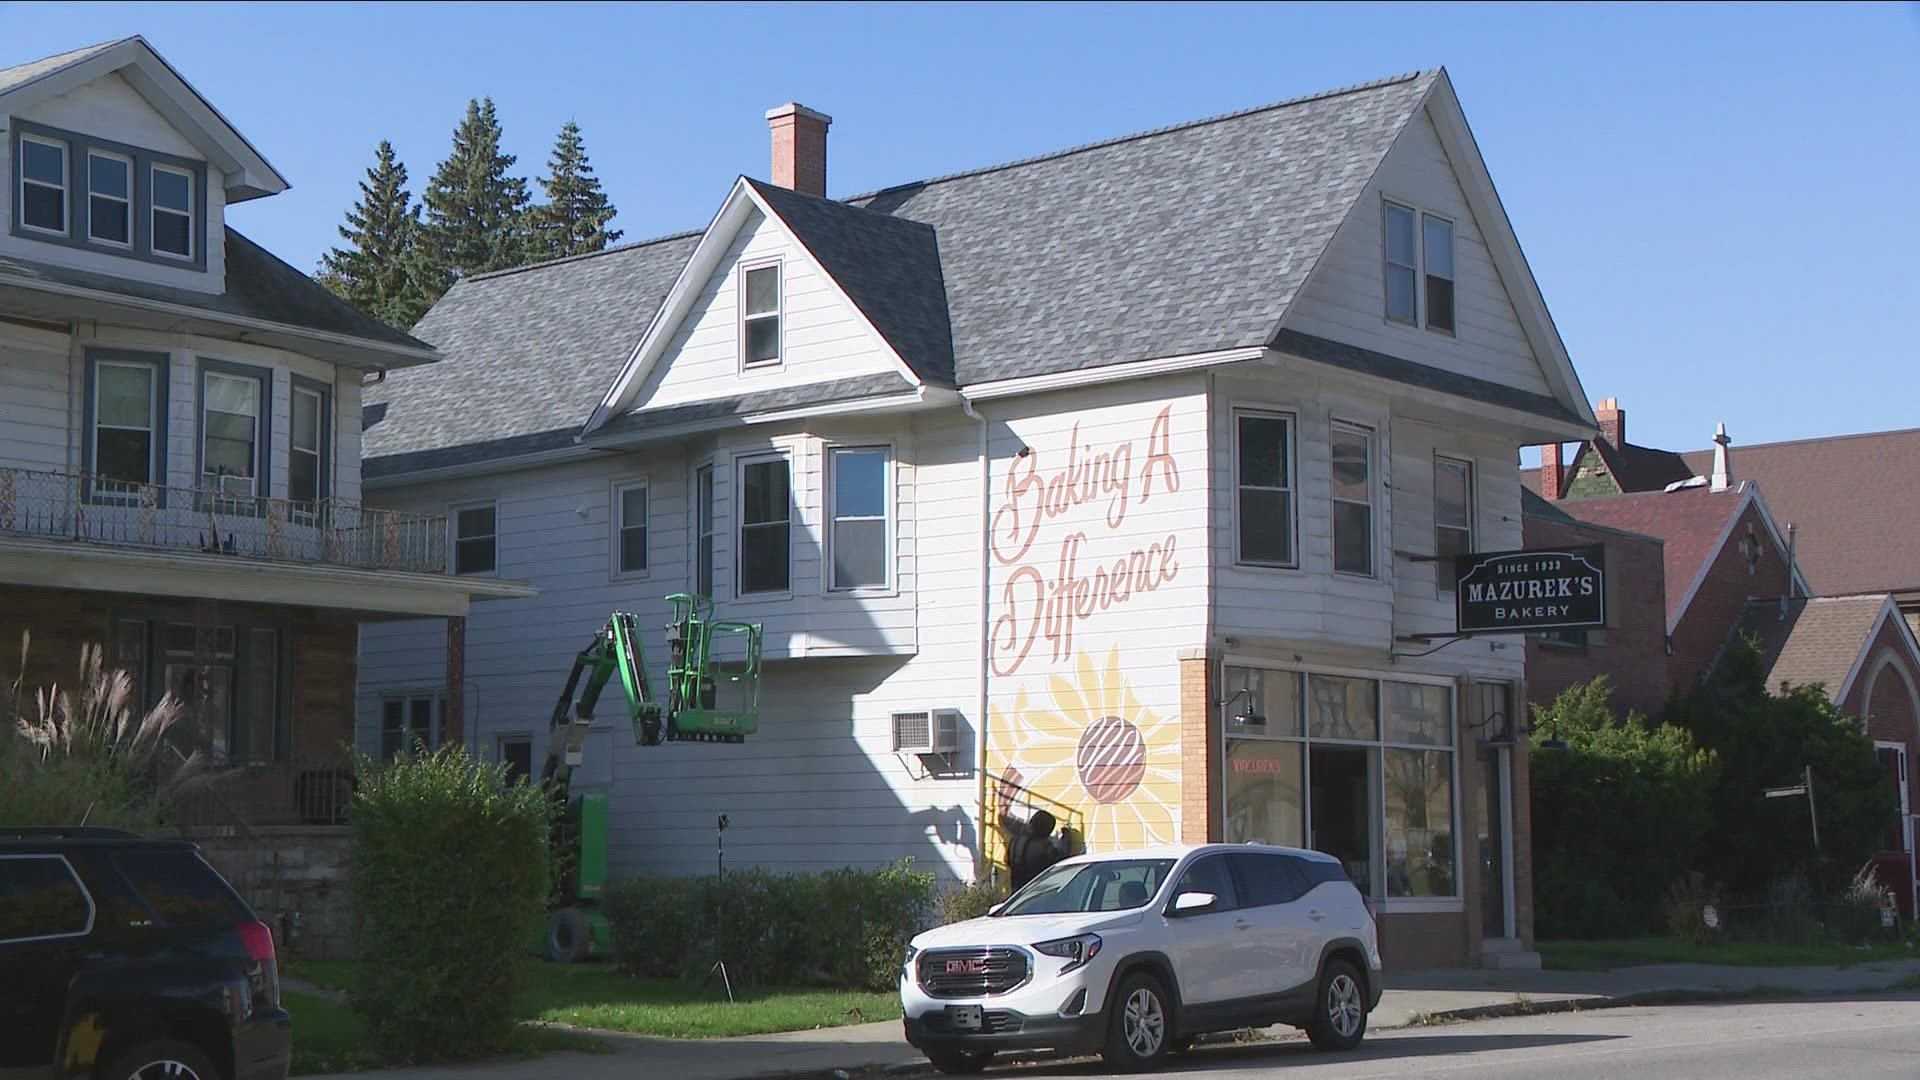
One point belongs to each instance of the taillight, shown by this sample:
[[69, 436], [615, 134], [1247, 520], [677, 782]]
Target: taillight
[[258, 939]]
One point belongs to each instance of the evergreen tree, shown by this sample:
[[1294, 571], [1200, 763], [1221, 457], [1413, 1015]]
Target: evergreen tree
[[573, 220], [475, 211], [375, 272]]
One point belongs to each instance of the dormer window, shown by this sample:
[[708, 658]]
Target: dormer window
[[760, 316], [109, 198], [106, 197], [172, 212], [43, 184]]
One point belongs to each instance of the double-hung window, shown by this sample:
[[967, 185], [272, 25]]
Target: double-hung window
[[43, 184], [703, 538], [1419, 268], [233, 429], [1263, 479], [126, 445], [765, 509], [475, 538], [1352, 499], [857, 541], [172, 212], [109, 198], [411, 722], [760, 288], [1452, 514], [630, 527], [307, 444]]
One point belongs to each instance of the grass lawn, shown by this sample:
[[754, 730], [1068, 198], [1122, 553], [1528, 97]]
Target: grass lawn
[[327, 1037], [1626, 952], [595, 995]]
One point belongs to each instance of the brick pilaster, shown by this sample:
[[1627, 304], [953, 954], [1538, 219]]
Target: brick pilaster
[[1199, 751]]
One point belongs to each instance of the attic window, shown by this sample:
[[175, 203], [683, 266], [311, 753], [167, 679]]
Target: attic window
[[760, 316], [43, 184], [172, 212]]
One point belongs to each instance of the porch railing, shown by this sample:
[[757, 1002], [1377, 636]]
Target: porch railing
[[218, 519], [281, 793]]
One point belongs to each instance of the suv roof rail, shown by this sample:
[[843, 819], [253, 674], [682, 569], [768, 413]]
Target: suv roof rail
[[66, 832]]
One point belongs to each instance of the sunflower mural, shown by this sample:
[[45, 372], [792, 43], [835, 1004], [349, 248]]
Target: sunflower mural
[[1089, 745]]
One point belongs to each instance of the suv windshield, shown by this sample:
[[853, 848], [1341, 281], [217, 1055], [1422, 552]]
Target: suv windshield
[[1109, 885]]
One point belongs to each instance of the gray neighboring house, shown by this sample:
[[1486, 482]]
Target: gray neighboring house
[[1030, 474]]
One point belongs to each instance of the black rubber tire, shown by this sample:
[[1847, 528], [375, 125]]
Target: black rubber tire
[[960, 1062], [1120, 1053], [567, 936], [146, 1061], [1339, 1008]]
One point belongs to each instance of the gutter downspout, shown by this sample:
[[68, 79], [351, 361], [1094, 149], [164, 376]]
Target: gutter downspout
[[981, 865]]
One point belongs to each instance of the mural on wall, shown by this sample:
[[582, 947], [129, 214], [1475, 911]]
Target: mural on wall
[[1089, 535]]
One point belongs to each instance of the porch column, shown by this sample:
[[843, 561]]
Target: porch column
[[456, 726], [206, 620]]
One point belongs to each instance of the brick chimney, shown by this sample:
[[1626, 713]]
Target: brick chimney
[[1553, 479], [1613, 422], [799, 148]]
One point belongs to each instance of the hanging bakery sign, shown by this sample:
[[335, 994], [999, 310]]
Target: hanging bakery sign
[[1519, 591]]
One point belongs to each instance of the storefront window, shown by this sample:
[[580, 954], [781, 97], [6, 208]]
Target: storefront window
[[1369, 781]]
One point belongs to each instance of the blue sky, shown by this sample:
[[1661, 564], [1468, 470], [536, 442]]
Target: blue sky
[[1717, 201]]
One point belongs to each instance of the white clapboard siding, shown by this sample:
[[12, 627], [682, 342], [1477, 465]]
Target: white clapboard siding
[[1345, 299], [1423, 600], [35, 396], [346, 435], [824, 337], [110, 109]]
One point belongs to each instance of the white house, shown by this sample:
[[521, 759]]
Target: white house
[[1068, 452], [180, 434]]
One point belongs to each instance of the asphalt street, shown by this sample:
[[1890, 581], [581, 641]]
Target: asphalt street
[[1854, 1038]]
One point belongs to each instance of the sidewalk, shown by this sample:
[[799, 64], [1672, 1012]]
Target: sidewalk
[[1411, 997]]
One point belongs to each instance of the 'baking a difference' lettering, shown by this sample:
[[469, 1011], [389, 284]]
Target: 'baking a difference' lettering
[[1036, 606]]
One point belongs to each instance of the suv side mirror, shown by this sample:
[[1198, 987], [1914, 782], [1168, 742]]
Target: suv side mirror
[[995, 909], [1194, 903]]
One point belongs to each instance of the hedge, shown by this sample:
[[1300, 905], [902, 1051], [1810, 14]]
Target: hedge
[[448, 874], [846, 928]]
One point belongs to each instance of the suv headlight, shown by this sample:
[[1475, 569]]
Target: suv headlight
[[906, 962], [1076, 950]]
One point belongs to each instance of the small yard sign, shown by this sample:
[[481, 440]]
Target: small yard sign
[[1518, 591]]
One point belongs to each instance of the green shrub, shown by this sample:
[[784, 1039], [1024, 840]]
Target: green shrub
[[969, 900], [1687, 900], [845, 927], [449, 869]]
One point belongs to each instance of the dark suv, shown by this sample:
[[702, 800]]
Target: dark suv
[[131, 959]]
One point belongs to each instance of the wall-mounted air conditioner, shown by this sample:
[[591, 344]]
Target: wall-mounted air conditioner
[[926, 731]]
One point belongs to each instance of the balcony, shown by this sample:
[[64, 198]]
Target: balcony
[[218, 520]]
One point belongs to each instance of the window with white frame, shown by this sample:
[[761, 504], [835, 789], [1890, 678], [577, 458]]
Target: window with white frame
[[43, 184], [411, 723], [765, 537], [703, 531], [1352, 499], [1403, 260], [307, 445], [172, 212], [231, 429], [857, 539], [630, 527], [760, 289], [1436, 252], [110, 198], [126, 413], [475, 538], [1263, 479], [1452, 514]]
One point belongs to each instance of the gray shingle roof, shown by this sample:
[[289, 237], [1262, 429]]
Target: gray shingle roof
[[1380, 365], [1186, 239], [259, 287], [791, 397], [1817, 641], [12, 78], [528, 351], [889, 267]]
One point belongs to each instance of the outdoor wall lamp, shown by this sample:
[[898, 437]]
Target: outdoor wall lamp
[[1247, 717]]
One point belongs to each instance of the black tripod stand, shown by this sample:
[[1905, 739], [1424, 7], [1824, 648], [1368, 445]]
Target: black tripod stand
[[720, 907]]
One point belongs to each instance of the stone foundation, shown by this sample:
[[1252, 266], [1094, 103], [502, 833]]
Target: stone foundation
[[294, 878]]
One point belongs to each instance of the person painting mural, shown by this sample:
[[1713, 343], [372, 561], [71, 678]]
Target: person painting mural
[[1032, 849]]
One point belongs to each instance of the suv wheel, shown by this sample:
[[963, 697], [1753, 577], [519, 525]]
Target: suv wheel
[[161, 1061], [1140, 1032], [960, 1062], [1340, 1009]]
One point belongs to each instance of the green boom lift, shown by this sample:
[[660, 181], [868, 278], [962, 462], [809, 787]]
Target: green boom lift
[[712, 695]]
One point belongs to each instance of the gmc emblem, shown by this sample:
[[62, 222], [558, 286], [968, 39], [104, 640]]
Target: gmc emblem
[[966, 967]]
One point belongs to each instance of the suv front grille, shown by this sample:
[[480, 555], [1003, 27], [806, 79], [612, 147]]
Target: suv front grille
[[955, 973]]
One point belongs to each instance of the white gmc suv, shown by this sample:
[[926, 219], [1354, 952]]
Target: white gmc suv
[[1133, 954]]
